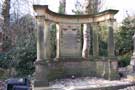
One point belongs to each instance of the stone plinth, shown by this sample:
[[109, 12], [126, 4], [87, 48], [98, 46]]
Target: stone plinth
[[132, 62], [131, 67], [131, 76], [41, 72]]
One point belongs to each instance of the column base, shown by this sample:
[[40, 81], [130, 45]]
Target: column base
[[40, 83], [69, 59]]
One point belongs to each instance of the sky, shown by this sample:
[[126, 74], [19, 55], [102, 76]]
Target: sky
[[125, 7]]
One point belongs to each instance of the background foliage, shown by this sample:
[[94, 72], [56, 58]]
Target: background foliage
[[23, 53], [124, 41]]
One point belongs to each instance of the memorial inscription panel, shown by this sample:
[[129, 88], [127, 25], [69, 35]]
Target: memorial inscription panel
[[70, 40]]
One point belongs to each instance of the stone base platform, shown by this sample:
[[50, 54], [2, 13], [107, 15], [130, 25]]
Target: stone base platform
[[110, 87], [71, 68], [46, 88], [40, 83], [122, 87]]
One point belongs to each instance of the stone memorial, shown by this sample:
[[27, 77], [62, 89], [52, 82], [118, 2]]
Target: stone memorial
[[72, 46]]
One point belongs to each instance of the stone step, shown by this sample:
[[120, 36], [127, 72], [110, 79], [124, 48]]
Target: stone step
[[129, 88], [47, 88], [121, 87]]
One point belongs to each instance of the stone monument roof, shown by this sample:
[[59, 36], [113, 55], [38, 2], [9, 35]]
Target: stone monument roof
[[45, 7], [44, 12]]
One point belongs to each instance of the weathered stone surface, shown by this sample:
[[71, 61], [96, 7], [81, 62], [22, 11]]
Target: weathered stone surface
[[70, 44], [80, 68], [132, 62], [40, 39], [41, 71], [95, 40], [110, 39]]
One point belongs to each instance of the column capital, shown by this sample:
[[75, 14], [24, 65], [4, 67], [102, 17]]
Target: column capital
[[47, 24], [40, 18], [40, 21], [95, 25], [110, 22], [47, 21]]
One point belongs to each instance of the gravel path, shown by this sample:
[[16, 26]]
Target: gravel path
[[86, 82]]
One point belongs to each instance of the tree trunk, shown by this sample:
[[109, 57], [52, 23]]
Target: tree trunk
[[62, 7], [90, 7], [6, 25]]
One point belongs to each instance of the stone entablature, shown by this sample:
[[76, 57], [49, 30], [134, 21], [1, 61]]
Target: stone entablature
[[43, 11]]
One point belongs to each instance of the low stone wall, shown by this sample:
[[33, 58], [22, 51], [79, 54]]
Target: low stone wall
[[81, 68]]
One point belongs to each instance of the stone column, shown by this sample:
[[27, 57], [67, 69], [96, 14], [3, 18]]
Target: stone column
[[86, 41], [112, 60], [58, 37], [47, 48], [110, 39], [41, 66], [95, 40], [40, 39]]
